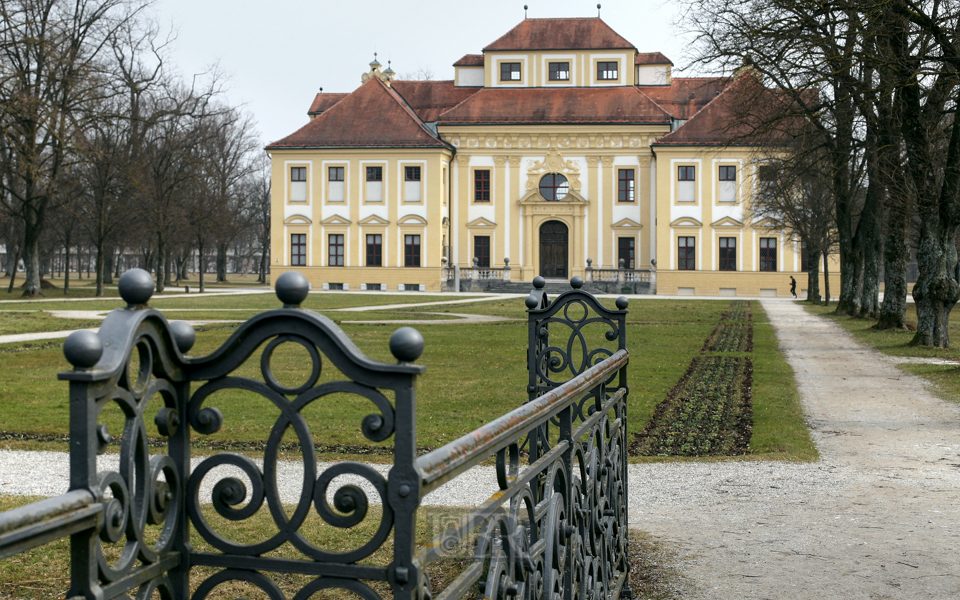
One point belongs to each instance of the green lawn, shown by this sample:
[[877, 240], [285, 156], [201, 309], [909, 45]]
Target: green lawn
[[946, 378], [475, 373]]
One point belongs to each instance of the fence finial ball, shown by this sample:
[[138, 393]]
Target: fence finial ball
[[539, 282], [532, 301], [406, 344], [183, 335], [622, 303], [576, 282], [292, 288], [136, 286], [83, 349]]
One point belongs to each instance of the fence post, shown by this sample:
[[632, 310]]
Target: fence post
[[621, 274], [506, 269], [589, 273], [475, 271]]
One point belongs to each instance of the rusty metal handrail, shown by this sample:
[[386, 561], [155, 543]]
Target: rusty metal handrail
[[446, 462]]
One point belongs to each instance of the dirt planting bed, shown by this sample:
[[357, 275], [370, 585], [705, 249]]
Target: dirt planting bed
[[708, 412]]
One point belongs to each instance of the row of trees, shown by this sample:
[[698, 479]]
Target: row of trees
[[876, 84], [103, 146]]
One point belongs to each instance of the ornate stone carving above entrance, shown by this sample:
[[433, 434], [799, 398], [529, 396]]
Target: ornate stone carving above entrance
[[553, 163]]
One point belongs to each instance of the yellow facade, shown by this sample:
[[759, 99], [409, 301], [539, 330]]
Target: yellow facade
[[512, 119], [355, 215]]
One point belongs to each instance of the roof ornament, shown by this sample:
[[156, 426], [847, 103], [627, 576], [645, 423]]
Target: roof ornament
[[384, 76], [598, 11], [525, 11], [389, 71], [321, 89]]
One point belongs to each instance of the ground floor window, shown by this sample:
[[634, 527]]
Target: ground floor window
[[481, 250], [728, 254], [411, 250], [335, 245], [686, 249], [374, 250], [768, 254], [298, 249], [627, 252]]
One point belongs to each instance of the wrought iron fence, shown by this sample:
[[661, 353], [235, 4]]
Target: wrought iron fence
[[554, 528]]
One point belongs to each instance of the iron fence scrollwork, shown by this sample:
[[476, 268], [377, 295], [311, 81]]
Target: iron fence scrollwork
[[555, 528]]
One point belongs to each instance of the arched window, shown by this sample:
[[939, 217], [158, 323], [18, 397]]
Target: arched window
[[554, 186]]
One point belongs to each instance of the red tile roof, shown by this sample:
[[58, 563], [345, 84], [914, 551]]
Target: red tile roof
[[561, 34], [557, 105], [324, 101], [430, 98], [373, 116], [651, 58], [470, 60], [685, 95], [740, 116]]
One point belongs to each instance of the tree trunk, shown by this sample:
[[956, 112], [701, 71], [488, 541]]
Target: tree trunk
[[826, 279], [66, 274], [896, 253], [813, 277], [262, 278], [161, 266], [868, 240], [31, 260], [101, 263], [936, 292], [221, 263], [13, 276], [108, 258], [201, 269]]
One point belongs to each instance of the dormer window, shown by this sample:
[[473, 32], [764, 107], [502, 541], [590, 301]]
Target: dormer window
[[509, 71], [559, 71], [607, 71]]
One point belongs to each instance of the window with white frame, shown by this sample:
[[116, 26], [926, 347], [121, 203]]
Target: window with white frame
[[298, 184], [374, 184], [335, 177], [686, 184], [728, 184], [411, 184]]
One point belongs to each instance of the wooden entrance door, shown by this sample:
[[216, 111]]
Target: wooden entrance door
[[553, 249]]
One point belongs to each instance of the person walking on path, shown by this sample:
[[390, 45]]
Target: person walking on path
[[793, 287]]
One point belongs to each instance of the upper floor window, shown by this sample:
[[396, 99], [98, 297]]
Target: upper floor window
[[335, 179], [686, 184], [728, 184], [625, 185], [554, 186], [411, 184], [768, 254], [374, 184], [608, 70], [509, 71], [559, 71], [298, 184], [481, 185]]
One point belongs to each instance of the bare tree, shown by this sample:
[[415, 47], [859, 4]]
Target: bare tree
[[51, 68]]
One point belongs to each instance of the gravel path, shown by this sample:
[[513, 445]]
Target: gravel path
[[877, 517]]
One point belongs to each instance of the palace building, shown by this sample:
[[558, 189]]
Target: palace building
[[561, 150]]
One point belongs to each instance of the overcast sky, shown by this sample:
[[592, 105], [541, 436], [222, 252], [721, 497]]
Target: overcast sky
[[278, 53]]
